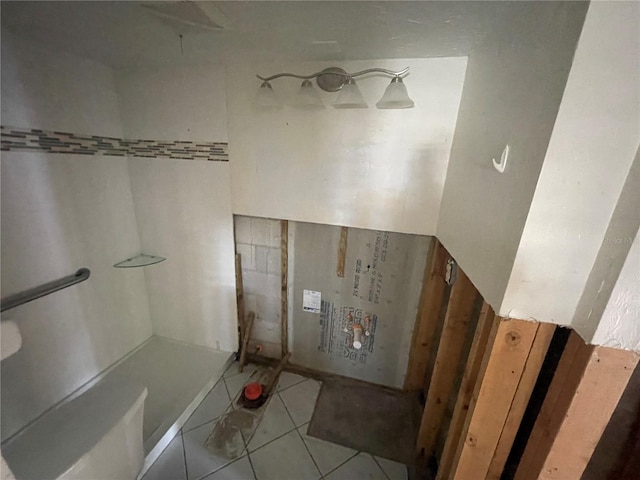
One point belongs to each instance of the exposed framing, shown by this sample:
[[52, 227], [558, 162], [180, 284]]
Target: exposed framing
[[452, 340], [240, 296], [342, 251], [429, 306], [583, 394], [485, 334], [284, 285], [507, 376]]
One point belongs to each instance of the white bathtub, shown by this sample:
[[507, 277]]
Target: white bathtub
[[97, 435]]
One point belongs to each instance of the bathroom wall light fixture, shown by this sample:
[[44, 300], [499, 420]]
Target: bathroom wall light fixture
[[335, 79]]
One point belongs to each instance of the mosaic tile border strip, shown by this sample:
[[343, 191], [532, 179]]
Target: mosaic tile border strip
[[35, 140]]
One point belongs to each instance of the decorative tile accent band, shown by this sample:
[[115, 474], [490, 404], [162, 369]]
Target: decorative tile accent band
[[34, 140]]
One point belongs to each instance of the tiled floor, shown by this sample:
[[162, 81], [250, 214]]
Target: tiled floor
[[280, 448]]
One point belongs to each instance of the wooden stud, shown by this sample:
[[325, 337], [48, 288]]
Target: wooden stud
[[342, 251], [284, 275], [521, 398], [583, 394], [484, 335], [240, 295], [505, 360], [452, 340], [433, 287], [273, 380], [245, 341]]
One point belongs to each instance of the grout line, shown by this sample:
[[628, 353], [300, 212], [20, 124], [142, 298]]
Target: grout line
[[307, 449], [347, 460], [380, 467], [227, 389], [300, 436], [184, 456], [273, 440], [255, 475], [188, 429], [304, 379], [231, 462]]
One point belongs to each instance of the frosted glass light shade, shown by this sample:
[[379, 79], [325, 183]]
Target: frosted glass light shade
[[350, 96], [395, 96], [307, 97], [266, 98]]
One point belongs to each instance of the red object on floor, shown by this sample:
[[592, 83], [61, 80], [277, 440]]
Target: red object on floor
[[253, 391]]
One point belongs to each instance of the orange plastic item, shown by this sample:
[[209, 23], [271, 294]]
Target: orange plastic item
[[253, 391]]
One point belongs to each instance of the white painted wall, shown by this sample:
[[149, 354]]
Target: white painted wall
[[56, 91], [60, 213], [595, 138], [513, 87], [376, 169], [612, 253], [619, 326], [183, 207], [186, 103]]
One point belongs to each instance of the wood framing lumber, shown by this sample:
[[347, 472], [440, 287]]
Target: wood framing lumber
[[245, 340], [481, 339], [493, 397], [583, 394], [429, 306], [342, 251], [452, 340]]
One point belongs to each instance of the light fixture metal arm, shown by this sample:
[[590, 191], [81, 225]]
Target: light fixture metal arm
[[317, 74]]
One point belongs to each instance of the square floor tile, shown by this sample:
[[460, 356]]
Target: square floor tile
[[394, 470], [326, 455], [300, 400], [274, 423], [284, 459], [287, 379], [360, 467], [213, 405], [238, 470], [201, 461], [170, 463]]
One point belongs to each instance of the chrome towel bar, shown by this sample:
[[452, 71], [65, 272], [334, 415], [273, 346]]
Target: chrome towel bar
[[17, 299]]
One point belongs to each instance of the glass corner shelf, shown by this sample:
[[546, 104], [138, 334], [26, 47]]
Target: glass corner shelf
[[141, 260]]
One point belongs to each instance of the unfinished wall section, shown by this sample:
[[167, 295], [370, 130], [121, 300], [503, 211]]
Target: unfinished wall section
[[258, 243], [379, 290]]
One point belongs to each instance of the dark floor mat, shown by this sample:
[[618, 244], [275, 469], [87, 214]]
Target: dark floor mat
[[379, 421]]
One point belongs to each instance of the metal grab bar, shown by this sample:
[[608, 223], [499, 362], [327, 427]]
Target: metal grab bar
[[15, 300]]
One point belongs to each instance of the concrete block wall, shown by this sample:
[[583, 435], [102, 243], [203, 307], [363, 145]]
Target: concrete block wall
[[258, 243]]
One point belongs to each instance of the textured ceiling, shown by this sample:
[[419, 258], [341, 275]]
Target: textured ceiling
[[124, 34]]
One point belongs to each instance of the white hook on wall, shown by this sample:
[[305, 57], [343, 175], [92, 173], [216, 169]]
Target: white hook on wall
[[503, 160]]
